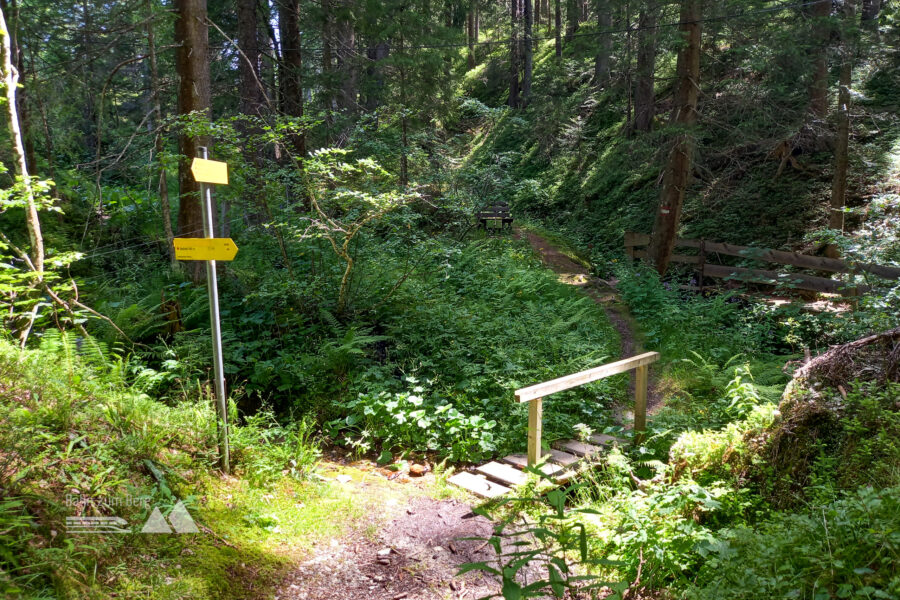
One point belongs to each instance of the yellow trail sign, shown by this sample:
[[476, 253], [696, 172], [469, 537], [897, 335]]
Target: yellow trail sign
[[205, 248], [209, 171]]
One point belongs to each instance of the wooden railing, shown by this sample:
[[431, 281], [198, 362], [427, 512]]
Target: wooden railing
[[635, 241], [535, 394]]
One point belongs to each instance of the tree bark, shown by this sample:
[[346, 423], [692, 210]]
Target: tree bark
[[192, 65], [644, 98], [842, 142], [470, 36], [375, 76], [10, 82], [249, 62], [573, 15], [871, 9], [818, 89], [477, 23], [604, 44], [529, 54], [514, 100], [291, 68], [346, 60], [327, 61], [404, 139], [677, 173], [158, 143], [557, 18]]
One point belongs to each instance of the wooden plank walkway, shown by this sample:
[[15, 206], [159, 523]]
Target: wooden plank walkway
[[568, 457]]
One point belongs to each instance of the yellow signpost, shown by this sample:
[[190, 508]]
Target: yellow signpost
[[205, 248], [211, 249], [209, 171]]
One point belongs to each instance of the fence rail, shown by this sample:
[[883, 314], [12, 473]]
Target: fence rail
[[535, 394], [635, 241]]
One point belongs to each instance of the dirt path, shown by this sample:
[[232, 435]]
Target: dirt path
[[409, 546], [603, 293]]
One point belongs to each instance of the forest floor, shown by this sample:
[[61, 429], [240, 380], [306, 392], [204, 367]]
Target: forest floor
[[414, 543]]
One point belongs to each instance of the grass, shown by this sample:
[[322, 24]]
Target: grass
[[74, 440]]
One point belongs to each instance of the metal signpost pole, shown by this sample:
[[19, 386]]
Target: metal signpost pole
[[213, 288]]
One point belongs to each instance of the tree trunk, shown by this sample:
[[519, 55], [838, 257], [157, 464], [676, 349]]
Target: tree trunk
[[327, 62], [10, 81], [678, 170], [404, 139], [842, 143], [18, 59], [158, 143], [573, 14], [374, 75], [291, 68], [192, 65], [871, 9], [557, 18], [477, 23], [538, 8], [529, 54], [470, 36], [818, 89], [604, 44], [514, 101], [346, 59], [644, 99], [88, 111], [248, 63]]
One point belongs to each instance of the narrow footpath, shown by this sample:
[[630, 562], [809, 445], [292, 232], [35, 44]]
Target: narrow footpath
[[603, 293]]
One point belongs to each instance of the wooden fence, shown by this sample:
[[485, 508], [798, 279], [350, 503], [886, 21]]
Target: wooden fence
[[706, 250], [535, 395]]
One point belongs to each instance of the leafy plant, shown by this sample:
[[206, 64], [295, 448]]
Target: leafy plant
[[556, 544]]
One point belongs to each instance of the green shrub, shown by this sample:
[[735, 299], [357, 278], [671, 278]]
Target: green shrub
[[408, 422], [847, 549]]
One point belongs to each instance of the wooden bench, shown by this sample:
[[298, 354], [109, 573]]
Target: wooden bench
[[495, 216]]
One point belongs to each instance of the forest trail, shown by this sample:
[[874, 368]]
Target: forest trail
[[409, 546], [603, 293]]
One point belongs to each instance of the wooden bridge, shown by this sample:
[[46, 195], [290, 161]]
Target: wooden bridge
[[567, 456]]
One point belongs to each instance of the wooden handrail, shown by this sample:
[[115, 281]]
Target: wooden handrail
[[535, 395], [570, 381]]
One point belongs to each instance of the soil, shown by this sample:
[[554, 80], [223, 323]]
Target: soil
[[414, 556], [603, 293]]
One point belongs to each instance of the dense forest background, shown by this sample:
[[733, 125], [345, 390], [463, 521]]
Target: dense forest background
[[367, 308]]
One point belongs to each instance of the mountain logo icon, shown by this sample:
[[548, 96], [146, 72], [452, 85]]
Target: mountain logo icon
[[179, 518]]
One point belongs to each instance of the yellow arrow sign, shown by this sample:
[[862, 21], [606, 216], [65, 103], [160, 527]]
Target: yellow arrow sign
[[209, 171], [205, 248]]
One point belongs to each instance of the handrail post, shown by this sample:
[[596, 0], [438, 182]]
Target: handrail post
[[535, 418], [640, 402]]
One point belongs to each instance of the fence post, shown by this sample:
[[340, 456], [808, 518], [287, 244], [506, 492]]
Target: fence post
[[640, 402], [535, 417], [702, 265]]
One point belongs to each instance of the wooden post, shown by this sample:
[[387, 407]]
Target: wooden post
[[702, 265], [640, 402], [535, 417]]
